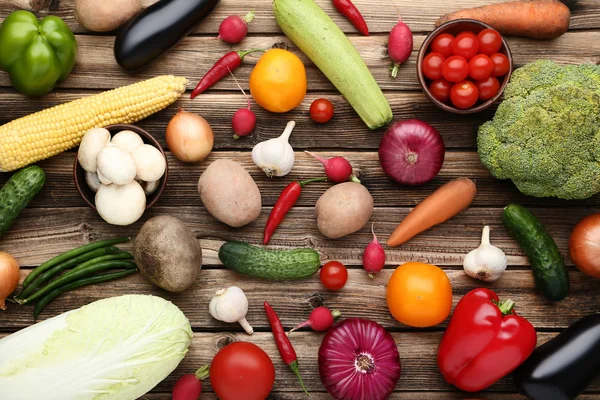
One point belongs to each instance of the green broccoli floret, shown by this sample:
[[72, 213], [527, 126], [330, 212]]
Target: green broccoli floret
[[545, 135]]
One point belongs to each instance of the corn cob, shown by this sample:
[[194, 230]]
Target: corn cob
[[51, 131]]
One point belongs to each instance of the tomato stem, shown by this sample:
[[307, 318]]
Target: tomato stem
[[202, 372]]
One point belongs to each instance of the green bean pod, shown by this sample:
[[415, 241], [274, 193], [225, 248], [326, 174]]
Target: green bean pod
[[47, 299]]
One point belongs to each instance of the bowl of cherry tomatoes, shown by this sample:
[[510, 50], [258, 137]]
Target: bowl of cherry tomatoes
[[463, 66]]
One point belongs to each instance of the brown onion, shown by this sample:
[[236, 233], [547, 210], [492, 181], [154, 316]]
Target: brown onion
[[189, 137], [9, 277], [584, 245]]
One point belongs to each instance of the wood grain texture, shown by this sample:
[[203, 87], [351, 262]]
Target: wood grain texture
[[182, 187], [361, 297], [394, 396], [195, 55], [379, 14], [53, 231]]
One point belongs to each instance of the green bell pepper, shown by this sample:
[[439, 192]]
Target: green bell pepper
[[36, 54]]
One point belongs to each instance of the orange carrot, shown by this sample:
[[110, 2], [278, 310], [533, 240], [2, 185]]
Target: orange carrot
[[440, 206], [537, 19]]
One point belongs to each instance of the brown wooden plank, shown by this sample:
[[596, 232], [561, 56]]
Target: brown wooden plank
[[394, 396], [183, 182], [361, 297], [379, 14], [40, 234], [218, 109], [97, 68]]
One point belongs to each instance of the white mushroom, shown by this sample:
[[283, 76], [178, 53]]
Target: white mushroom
[[116, 165], [150, 163], [127, 140], [103, 180], [91, 178], [92, 143], [121, 204], [149, 187]]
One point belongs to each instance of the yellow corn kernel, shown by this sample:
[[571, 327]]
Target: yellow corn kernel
[[51, 131]]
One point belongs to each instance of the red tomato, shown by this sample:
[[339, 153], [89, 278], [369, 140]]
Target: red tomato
[[480, 67], [501, 64], [490, 41], [455, 69], [432, 65], [465, 45], [464, 94], [488, 88], [321, 110], [443, 44], [242, 370], [440, 89], [334, 275]]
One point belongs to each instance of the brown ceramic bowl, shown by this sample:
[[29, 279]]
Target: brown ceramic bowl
[[454, 28], [88, 194]]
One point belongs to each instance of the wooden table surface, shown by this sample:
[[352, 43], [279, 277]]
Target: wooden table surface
[[58, 219]]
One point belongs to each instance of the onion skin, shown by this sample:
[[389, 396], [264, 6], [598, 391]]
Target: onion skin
[[412, 152], [189, 137], [584, 245], [9, 277], [345, 348]]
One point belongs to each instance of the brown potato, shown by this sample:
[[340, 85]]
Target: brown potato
[[229, 193], [103, 15], [343, 209], [167, 253]]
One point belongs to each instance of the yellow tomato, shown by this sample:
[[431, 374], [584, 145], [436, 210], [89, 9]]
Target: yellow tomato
[[278, 81], [419, 294]]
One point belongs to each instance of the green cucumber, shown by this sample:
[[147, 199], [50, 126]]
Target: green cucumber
[[18, 191], [549, 271], [254, 261], [311, 29]]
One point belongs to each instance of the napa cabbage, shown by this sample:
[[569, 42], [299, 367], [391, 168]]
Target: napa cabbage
[[113, 349]]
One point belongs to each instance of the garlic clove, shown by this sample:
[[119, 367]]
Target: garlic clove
[[230, 305], [487, 262], [275, 156]]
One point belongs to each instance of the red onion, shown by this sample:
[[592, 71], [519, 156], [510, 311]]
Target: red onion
[[358, 360], [412, 152]]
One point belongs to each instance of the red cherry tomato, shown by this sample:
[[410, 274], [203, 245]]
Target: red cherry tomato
[[464, 94], [465, 45], [432, 65], [480, 67], [488, 88], [321, 110], [443, 44], [455, 69], [501, 64], [440, 89], [334, 275], [242, 370], [490, 41]]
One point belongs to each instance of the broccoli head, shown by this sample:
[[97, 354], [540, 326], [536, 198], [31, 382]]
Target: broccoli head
[[545, 135]]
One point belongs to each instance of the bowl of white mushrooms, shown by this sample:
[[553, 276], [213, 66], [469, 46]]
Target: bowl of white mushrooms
[[120, 171]]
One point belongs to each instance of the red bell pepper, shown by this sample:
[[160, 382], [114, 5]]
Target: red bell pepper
[[485, 341]]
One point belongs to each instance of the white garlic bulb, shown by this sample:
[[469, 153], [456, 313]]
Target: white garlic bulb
[[486, 262], [275, 156]]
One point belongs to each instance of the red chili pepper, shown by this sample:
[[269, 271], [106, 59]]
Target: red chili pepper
[[485, 341], [349, 10], [288, 197], [228, 62], [288, 354]]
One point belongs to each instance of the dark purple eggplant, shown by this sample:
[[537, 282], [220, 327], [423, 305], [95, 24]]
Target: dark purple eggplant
[[157, 29], [564, 366]]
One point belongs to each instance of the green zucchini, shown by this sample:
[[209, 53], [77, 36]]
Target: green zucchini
[[17, 192], [254, 261], [549, 271], [311, 29]]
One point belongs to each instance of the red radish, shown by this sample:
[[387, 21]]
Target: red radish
[[234, 28], [189, 386], [244, 119], [374, 256], [400, 45], [320, 319], [337, 168]]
